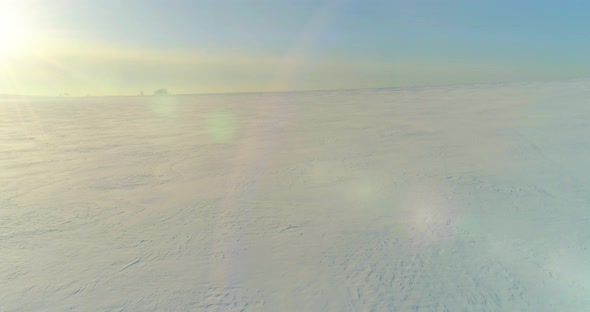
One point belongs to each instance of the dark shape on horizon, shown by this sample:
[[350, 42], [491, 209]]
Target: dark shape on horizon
[[161, 92]]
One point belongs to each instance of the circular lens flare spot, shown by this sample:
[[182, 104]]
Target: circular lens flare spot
[[221, 127]]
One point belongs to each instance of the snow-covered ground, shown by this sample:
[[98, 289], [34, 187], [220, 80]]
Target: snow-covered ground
[[466, 198]]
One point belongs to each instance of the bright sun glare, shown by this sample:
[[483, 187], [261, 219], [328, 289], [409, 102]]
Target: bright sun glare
[[15, 31]]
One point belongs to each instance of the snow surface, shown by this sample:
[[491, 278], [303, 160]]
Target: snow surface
[[465, 198]]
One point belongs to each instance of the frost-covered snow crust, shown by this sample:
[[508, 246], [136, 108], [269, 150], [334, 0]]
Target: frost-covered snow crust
[[467, 198]]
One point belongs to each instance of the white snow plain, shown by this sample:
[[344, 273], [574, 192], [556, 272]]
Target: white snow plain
[[462, 198]]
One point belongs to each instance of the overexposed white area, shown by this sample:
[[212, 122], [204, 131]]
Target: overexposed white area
[[459, 198]]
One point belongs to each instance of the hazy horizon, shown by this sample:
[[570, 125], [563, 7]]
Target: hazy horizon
[[194, 47], [148, 93], [170, 92]]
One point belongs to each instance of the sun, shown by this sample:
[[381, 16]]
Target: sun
[[16, 31]]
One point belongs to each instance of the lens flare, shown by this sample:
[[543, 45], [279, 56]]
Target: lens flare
[[221, 127]]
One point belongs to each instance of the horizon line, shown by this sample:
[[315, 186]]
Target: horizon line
[[414, 87]]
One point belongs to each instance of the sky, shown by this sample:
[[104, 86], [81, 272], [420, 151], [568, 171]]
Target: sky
[[114, 47]]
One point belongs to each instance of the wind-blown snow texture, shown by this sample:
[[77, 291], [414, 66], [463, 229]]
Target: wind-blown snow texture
[[467, 198]]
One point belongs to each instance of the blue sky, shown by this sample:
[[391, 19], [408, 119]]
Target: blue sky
[[122, 47]]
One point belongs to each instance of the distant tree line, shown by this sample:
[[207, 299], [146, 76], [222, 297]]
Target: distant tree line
[[161, 91]]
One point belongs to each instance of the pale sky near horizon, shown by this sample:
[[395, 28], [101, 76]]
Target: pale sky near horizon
[[114, 47]]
